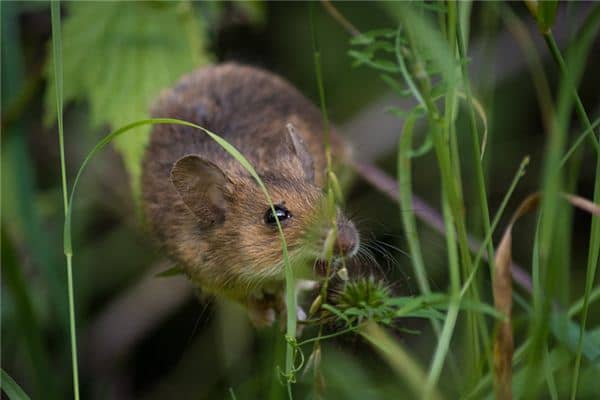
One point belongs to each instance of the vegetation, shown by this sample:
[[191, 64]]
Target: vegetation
[[485, 139]]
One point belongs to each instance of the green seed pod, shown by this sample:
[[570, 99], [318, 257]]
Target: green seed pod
[[315, 306]]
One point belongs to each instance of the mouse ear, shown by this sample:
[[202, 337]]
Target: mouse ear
[[301, 150], [203, 187]]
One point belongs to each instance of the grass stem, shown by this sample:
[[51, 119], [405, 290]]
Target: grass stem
[[58, 76]]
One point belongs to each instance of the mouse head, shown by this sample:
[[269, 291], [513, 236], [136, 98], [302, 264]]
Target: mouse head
[[237, 228]]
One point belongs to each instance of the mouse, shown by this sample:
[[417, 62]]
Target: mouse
[[209, 215]]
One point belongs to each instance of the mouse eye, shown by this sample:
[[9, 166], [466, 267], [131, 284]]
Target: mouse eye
[[281, 213]]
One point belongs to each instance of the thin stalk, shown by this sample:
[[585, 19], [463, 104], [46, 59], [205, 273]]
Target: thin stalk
[[579, 108], [592, 265], [58, 77], [594, 247], [447, 164], [550, 376], [480, 180], [538, 311], [578, 306], [474, 322], [529, 50], [347, 25], [586, 35], [404, 172], [549, 268], [329, 336], [453, 308], [578, 142], [331, 193], [406, 207], [488, 237]]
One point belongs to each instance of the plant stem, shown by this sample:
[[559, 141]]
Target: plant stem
[[57, 56], [579, 108], [447, 331], [594, 247]]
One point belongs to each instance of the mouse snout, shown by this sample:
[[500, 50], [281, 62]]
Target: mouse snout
[[347, 241]]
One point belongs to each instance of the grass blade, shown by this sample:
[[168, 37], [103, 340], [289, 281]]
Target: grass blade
[[289, 273], [406, 207], [590, 29], [58, 78], [11, 388], [400, 361]]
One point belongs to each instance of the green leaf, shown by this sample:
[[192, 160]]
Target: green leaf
[[437, 301], [413, 303], [118, 56], [382, 65], [431, 314], [567, 332], [480, 307], [336, 312], [12, 388], [372, 48], [431, 44], [354, 312]]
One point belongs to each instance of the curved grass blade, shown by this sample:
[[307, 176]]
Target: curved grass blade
[[289, 273], [406, 205]]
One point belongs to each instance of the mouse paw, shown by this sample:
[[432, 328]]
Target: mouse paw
[[261, 317], [264, 308]]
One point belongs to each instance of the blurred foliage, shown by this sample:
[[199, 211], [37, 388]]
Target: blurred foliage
[[118, 56]]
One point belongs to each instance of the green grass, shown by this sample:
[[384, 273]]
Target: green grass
[[423, 53], [58, 79], [11, 388], [441, 128]]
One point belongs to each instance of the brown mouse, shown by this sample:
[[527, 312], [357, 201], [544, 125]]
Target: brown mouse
[[209, 214]]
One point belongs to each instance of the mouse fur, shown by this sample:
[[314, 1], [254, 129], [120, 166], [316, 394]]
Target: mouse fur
[[208, 213]]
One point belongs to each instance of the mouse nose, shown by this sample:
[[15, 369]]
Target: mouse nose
[[346, 244]]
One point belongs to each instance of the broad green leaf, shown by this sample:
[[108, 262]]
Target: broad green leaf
[[118, 56], [567, 332]]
